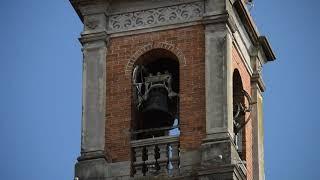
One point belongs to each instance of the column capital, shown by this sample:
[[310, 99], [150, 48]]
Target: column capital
[[87, 40]]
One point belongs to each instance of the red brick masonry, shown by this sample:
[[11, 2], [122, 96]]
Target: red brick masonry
[[238, 63], [188, 45]]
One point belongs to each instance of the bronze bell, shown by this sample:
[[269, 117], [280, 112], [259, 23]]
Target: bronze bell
[[156, 111]]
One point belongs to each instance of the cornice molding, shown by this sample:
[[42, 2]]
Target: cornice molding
[[78, 5], [247, 21], [267, 48], [252, 30]]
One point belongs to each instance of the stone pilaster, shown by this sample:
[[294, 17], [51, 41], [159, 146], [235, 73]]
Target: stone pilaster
[[218, 75], [219, 157], [257, 88], [94, 95], [92, 163], [94, 42]]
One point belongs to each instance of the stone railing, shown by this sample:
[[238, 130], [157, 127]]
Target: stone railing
[[155, 156]]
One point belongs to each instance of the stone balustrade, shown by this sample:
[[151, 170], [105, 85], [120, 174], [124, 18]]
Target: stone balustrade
[[155, 156]]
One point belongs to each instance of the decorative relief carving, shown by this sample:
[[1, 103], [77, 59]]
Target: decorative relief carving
[[92, 24], [156, 17]]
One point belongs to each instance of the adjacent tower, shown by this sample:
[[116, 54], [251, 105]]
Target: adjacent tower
[[172, 89]]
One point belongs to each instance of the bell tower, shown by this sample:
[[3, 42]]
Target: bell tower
[[171, 90]]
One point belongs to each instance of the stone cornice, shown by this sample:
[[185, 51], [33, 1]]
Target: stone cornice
[[247, 21], [252, 30], [77, 4], [184, 12], [267, 48], [168, 16]]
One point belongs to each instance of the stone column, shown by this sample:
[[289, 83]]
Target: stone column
[[92, 162]]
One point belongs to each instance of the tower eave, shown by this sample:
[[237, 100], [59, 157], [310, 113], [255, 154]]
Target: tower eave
[[267, 49], [253, 32], [75, 4]]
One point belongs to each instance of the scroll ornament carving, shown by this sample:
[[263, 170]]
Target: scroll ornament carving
[[155, 17]]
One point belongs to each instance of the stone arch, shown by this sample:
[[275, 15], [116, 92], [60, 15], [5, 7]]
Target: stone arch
[[144, 49], [156, 86]]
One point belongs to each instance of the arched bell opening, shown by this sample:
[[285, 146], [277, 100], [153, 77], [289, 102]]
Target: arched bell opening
[[155, 101], [239, 112]]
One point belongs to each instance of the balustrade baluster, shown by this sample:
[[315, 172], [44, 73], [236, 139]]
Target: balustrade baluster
[[155, 156], [138, 163], [174, 159], [151, 161], [163, 158]]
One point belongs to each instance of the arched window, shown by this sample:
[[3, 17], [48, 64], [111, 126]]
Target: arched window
[[239, 111], [155, 100]]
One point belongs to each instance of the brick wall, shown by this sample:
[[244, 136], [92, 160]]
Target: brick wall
[[188, 45], [238, 63]]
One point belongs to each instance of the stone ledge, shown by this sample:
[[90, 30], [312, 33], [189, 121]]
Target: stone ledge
[[153, 141], [225, 172]]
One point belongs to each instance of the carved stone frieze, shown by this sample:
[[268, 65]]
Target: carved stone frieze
[[156, 17]]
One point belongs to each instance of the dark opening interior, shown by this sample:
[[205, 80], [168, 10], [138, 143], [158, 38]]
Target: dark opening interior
[[156, 94], [239, 114]]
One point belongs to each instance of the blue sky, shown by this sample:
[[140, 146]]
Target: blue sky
[[40, 94]]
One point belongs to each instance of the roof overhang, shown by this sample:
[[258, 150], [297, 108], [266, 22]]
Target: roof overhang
[[252, 30], [267, 48], [77, 4]]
